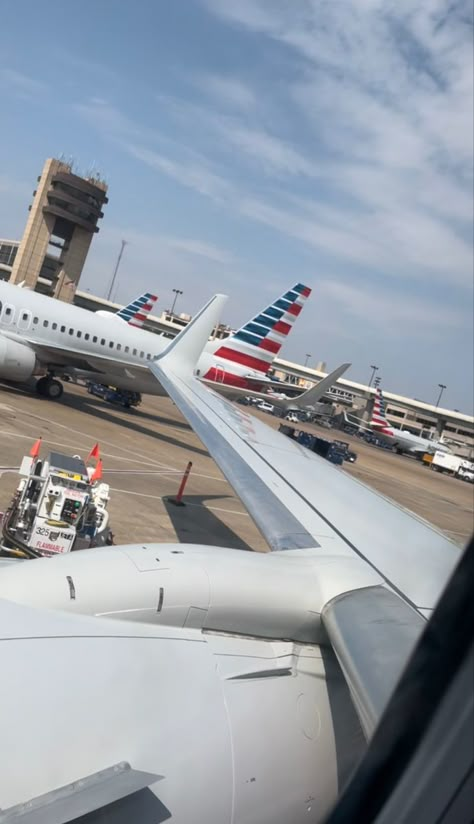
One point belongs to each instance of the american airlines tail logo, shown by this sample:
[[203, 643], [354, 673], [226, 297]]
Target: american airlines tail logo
[[256, 344], [137, 312], [378, 415]]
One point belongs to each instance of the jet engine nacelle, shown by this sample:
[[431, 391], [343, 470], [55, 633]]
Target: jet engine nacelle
[[17, 361]]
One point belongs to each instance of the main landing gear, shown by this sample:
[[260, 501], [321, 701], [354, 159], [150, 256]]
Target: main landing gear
[[49, 387]]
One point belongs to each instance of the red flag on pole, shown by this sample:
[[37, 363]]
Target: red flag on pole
[[94, 453], [97, 473], [35, 449]]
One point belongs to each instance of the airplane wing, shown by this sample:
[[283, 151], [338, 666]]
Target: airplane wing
[[301, 400], [313, 395], [297, 499]]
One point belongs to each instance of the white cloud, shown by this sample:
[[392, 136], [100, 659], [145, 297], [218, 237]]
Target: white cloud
[[227, 91], [21, 85], [197, 176], [389, 312]]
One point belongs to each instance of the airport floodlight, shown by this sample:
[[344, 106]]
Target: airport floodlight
[[374, 370], [442, 387], [177, 293]]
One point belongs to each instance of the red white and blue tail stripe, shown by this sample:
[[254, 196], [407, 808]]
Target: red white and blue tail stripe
[[255, 345], [137, 312], [378, 420]]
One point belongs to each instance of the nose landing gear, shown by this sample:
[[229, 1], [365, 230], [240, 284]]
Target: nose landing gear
[[49, 387]]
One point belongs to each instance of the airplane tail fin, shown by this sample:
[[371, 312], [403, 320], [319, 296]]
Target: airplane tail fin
[[136, 312], [378, 420], [259, 341]]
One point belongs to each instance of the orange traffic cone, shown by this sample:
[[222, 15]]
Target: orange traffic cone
[[97, 473], [35, 449]]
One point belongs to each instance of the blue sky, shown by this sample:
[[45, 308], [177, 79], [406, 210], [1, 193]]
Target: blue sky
[[251, 145]]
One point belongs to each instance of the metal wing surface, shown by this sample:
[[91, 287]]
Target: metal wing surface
[[297, 499]]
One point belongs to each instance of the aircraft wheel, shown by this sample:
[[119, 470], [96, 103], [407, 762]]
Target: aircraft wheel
[[50, 388], [40, 384]]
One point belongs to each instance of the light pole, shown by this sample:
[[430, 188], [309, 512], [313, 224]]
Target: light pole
[[112, 283], [442, 387], [377, 381], [177, 293], [307, 357], [374, 370]]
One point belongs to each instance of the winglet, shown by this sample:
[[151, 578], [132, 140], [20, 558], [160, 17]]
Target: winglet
[[184, 351]]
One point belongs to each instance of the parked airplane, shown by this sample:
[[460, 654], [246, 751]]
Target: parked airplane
[[135, 313], [39, 335], [215, 685], [402, 440]]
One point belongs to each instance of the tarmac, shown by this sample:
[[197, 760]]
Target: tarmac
[[145, 452]]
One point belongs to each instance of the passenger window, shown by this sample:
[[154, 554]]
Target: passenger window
[[134, 351], [119, 346], [63, 328], [127, 349], [35, 320], [86, 336], [102, 341], [71, 331], [79, 334], [54, 326], [8, 310], [148, 357], [142, 354], [46, 323], [111, 344], [24, 316], [95, 339]]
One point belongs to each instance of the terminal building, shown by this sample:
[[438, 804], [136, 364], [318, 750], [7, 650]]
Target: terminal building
[[63, 218]]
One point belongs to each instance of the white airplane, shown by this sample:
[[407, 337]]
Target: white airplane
[[401, 440], [203, 684], [39, 335]]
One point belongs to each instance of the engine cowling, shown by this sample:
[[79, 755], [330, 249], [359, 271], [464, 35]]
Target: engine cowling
[[17, 360]]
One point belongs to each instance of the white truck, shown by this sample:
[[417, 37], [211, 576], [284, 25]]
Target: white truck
[[453, 465]]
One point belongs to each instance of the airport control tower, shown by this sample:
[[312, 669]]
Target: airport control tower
[[63, 219]]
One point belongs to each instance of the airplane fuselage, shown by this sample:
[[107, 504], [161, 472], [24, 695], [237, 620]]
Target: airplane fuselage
[[408, 442], [65, 338]]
